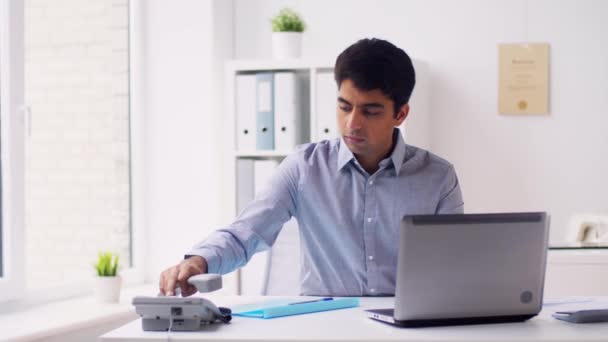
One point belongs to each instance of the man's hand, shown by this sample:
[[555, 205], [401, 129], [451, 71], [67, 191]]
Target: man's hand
[[179, 274]]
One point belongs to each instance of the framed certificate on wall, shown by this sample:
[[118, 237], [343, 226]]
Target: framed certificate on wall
[[523, 79]]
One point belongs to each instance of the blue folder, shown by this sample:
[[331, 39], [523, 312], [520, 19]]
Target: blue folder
[[264, 137], [280, 308]]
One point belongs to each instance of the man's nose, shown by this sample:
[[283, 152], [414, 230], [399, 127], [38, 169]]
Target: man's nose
[[355, 120]]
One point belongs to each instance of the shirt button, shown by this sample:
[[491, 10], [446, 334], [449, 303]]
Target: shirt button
[[371, 257], [369, 219], [371, 182]]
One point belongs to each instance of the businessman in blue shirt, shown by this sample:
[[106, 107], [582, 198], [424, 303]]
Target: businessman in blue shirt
[[347, 194]]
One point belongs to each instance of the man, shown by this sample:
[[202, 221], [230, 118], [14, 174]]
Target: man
[[348, 194]]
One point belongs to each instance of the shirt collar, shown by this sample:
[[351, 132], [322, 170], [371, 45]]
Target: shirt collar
[[344, 154], [397, 156]]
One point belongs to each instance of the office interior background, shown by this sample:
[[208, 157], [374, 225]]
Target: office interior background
[[126, 144]]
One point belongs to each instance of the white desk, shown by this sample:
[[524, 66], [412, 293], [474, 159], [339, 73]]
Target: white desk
[[353, 325]]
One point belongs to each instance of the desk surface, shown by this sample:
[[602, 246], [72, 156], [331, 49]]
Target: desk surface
[[353, 325]]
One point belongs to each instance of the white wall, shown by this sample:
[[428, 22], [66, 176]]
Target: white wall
[[555, 163], [185, 44]]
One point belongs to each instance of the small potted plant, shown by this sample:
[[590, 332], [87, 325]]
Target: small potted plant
[[287, 28], [107, 282]]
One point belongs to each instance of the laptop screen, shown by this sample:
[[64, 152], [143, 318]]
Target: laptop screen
[[471, 265]]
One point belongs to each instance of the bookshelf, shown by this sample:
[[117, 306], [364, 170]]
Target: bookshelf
[[251, 278]]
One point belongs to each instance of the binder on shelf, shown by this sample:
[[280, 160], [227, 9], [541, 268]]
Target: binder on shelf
[[286, 111], [245, 112], [263, 170], [325, 106], [245, 183], [264, 136]]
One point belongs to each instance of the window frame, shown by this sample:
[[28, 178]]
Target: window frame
[[14, 119], [12, 148], [136, 274]]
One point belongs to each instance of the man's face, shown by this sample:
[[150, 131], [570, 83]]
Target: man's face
[[366, 120]]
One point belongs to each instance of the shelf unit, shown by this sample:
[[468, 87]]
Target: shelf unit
[[242, 161], [309, 69]]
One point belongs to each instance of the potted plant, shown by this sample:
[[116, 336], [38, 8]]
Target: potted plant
[[287, 28], [107, 283]]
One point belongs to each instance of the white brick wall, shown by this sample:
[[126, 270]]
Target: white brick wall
[[77, 167]]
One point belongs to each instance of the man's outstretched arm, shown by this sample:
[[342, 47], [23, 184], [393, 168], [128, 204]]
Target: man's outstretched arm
[[255, 229]]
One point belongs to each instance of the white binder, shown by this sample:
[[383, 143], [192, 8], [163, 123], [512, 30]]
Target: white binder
[[263, 170], [325, 106], [245, 112], [287, 111]]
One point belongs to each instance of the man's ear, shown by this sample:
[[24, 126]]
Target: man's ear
[[402, 114]]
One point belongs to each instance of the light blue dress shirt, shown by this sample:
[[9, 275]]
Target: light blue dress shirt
[[348, 220]]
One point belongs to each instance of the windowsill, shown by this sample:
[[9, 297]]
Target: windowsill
[[66, 316]]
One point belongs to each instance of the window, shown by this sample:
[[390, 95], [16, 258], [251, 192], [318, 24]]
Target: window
[[77, 165], [65, 158]]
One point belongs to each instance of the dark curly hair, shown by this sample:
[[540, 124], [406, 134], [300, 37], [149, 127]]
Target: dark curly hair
[[377, 64]]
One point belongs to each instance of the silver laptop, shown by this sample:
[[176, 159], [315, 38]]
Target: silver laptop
[[468, 269]]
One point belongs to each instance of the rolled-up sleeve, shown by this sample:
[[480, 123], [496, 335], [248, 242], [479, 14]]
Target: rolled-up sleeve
[[257, 226]]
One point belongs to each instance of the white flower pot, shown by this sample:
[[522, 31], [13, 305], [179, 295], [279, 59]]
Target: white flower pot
[[286, 45], [107, 289]]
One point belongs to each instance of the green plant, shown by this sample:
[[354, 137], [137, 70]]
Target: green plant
[[107, 264], [287, 21]]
